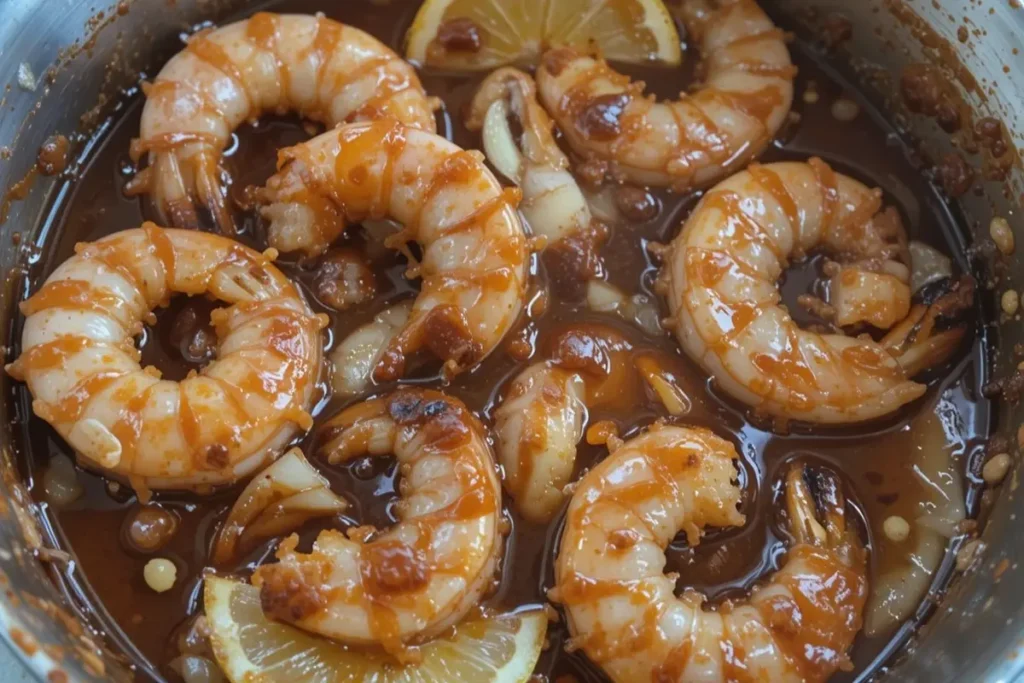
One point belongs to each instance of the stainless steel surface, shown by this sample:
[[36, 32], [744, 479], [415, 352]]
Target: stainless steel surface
[[11, 669], [975, 634]]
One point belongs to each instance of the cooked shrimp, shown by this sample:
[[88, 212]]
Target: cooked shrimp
[[622, 609], [423, 574], [697, 139], [80, 363], [541, 418], [538, 425], [474, 265], [311, 65], [553, 204], [721, 272]]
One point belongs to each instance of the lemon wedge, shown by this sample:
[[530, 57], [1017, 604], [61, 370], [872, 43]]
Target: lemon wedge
[[484, 34], [253, 649]]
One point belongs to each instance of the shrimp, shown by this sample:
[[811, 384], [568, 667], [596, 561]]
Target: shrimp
[[310, 65], [541, 418], [553, 204], [80, 363], [475, 257], [422, 575], [690, 142], [622, 610], [720, 276], [538, 425]]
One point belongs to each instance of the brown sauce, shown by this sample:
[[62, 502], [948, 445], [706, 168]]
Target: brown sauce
[[106, 579]]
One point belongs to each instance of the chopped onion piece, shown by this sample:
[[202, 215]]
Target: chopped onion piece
[[646, 315], [501, 148], [356, 356], [286, 515], [602, 205], [60, 481], [26, 79], [639, 309], [928, 265], [276, 501], [663, 384], [898, 592], [193, 669], [605, 298]]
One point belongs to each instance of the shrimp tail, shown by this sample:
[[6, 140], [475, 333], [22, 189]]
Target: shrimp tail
[[170, 194], [816, 506], [915, 342], [211, 194]]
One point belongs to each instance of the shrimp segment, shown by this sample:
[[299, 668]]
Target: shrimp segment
[[80, 363], [721, 273], [474, 266], [538, 425], [423, 574], [311, 65], [692, 141], [622, 609], [553, 204]]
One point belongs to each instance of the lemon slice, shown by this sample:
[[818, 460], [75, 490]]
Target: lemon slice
[[253, 649], [483, 34]]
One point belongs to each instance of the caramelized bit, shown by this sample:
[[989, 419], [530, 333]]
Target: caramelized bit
[[53, 155], [447, 335], [836, 29], [584, 350], [601, 118], [393, 567], [460, 34], [955, 174], [636, 204], [215, 456], [924, 88], [344, 279], [575, 259], [292, 591]]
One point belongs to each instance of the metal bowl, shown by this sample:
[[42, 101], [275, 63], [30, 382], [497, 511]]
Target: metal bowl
[[66, 62]]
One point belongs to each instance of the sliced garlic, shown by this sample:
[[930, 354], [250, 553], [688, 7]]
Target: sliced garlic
[[279, 499], [502, 150]]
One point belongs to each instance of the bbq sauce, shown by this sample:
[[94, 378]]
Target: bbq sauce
[[874, 460]]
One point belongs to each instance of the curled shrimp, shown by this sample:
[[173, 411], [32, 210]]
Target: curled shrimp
[[311, 65], [538, 425], [474, 265], [704, 135], [540, 420], [553, 204], [622, 610], [415, 579], [79, 359], [720, 278]]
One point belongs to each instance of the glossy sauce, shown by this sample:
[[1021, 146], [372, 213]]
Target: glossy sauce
[[106, 578]]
